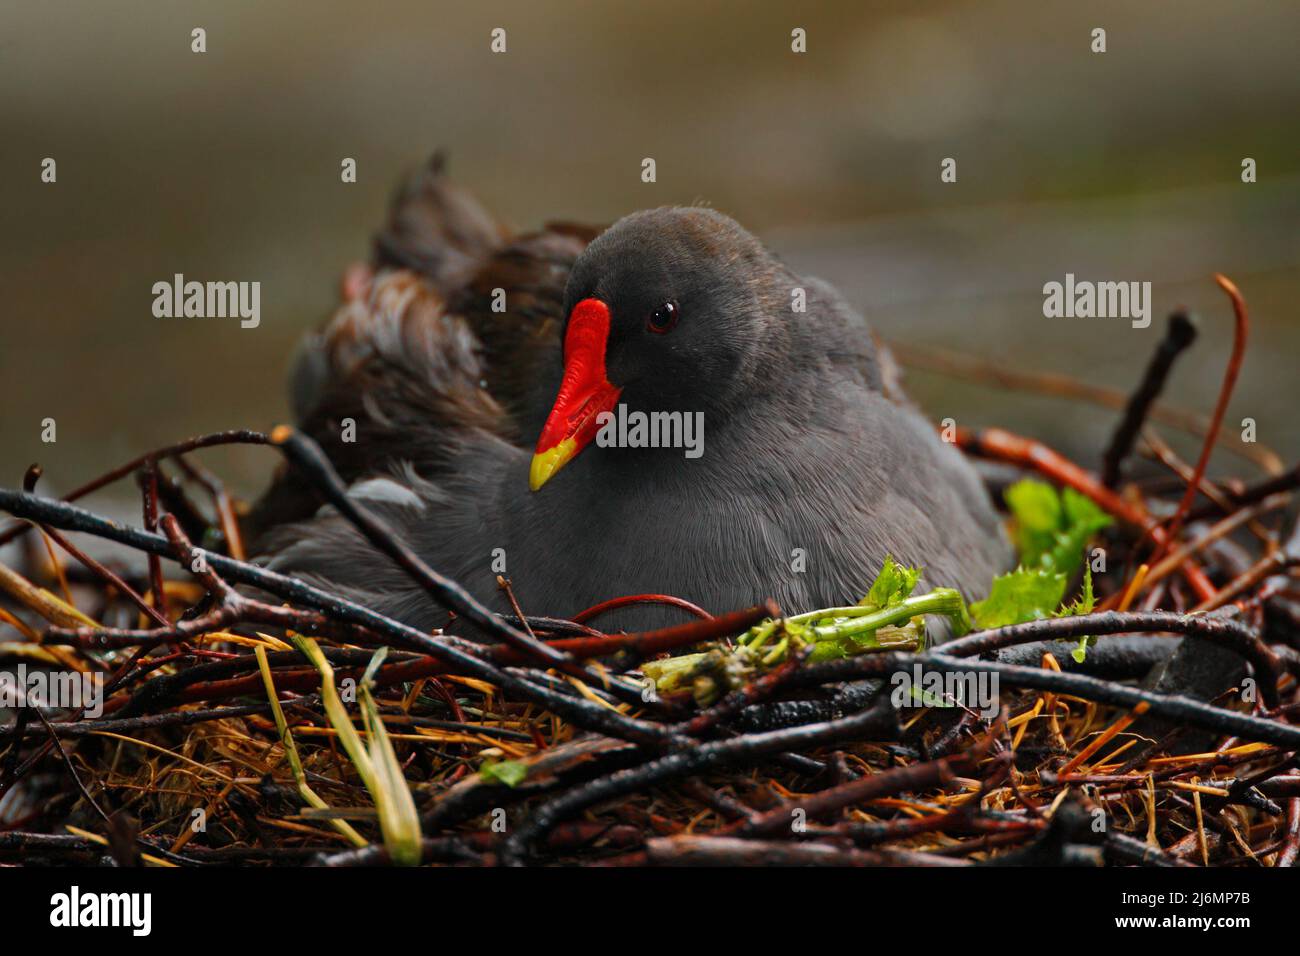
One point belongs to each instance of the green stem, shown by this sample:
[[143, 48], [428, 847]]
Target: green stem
[[945, 601]]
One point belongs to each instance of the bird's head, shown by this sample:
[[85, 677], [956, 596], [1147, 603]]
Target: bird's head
[[668, 310]]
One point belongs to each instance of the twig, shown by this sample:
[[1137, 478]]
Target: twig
[[306, 455], [1003, 445], [205, 682], [580, 712], [149, 489], [1287, 481], [1179, 335], [919, 776], [696, 850], [226, 516], [1224, 631], [1171, 707], [1241, 328], [233, 437], [958, 365], [665, 599], [750, 748], [72, 771]]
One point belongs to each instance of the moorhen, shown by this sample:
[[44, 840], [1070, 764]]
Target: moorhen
[[803, 466]]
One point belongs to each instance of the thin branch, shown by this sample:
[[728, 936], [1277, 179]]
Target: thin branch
[[1179, 335]]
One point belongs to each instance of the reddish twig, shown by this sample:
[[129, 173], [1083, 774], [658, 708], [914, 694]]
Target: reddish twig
[[233, 437], [149, 489], [226, 516], [618, 602], [1006, 446], [1241, 328], [644, 644]]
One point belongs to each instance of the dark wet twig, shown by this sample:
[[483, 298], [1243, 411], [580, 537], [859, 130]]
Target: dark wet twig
[[225, 508], [551, 748], [215, 681], [692, 850], [106, 574], [339, 609], [756, 690], [1179, 335], [234, 437], [919, 776], [1173, 707], [307, 456], [1225, 632], [1285, 482], [176, 718], [706, 756], [149, 490], [72, 771]]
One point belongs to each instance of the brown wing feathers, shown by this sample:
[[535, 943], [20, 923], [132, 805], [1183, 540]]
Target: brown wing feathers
[[421, 340]]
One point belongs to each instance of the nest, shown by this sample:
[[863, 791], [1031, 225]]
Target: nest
[[248, 717]]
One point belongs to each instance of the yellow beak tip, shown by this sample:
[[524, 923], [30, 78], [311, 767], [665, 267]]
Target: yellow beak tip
[[537, 474], [547, 463]]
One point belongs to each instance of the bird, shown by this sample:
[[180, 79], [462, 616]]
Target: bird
[[486, 393]]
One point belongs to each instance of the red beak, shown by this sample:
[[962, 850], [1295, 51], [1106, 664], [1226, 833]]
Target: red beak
[[585, 392]]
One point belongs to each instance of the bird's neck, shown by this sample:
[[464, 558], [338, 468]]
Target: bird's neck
[[702, 452]]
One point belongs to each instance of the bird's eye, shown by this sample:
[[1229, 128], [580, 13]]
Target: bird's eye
[[663, 318]]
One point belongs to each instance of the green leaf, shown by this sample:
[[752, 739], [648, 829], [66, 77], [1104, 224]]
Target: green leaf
[[508, 772], [1083, 604], [1022, 595], [1035, 505], [1052, 529], [291, 751], [893, 584], [376, 763], [1082, 519], [376, 659]]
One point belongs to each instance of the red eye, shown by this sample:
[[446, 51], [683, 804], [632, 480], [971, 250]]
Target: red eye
[[663, 318]]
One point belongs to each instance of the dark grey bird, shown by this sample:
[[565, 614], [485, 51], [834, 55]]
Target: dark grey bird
[[482, 394]]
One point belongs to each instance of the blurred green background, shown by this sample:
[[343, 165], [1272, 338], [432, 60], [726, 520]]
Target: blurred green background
[[225, 166]]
